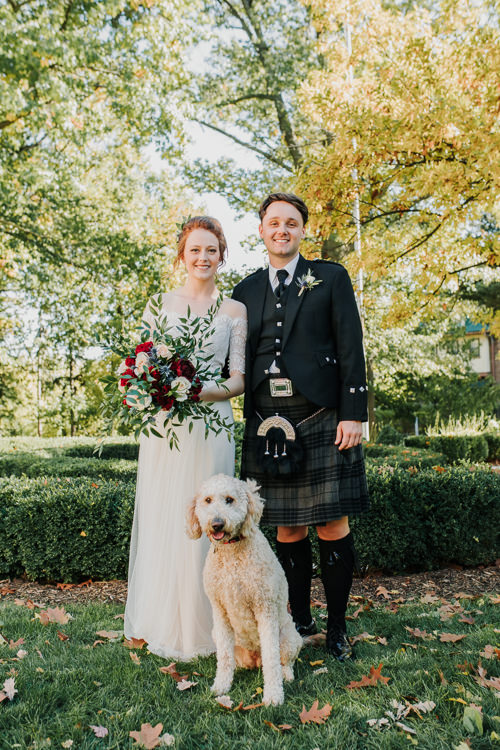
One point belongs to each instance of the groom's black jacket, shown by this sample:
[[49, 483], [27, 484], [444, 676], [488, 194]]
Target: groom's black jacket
[[322, 348]]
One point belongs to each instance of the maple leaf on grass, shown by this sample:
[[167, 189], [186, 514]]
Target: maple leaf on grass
[[9, 690], [135, 643], [134, 657], [54, 614], [367, 681], [417, 633], [99, 731], [147, 736], [451, 637], [111, 635], [279, 728], [492, 682], [172, 671], [315, 715], [490, 652], [185, 685]]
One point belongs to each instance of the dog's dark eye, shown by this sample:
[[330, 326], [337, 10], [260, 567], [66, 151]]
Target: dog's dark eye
[[229, 500], [208, 500]]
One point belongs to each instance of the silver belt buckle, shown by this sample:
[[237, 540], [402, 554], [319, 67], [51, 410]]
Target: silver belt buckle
[[281, 387]]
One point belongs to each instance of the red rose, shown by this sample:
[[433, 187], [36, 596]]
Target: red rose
[[130, 361], [195, 397], [175, 366], [167, 404], [187, 369], [126, 377], [144, 347]]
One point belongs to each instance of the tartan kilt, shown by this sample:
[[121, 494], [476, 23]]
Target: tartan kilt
[[331, 483]]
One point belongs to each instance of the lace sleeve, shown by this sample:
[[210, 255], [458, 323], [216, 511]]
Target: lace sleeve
[[237, 344]]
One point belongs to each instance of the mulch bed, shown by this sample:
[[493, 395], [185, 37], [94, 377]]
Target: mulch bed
[[445, 583]]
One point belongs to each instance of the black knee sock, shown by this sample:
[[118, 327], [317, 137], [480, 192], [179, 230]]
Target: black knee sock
[[337, 559], [296, 561]]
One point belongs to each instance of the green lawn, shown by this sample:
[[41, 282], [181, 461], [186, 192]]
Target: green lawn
[[64, 686]]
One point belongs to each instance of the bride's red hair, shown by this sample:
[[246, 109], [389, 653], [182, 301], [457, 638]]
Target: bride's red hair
[[200, 222]]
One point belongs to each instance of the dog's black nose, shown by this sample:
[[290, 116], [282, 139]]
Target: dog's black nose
[[217, 524]]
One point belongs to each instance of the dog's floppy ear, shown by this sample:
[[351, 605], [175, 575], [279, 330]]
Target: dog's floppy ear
[[255, 507], [193, 528]]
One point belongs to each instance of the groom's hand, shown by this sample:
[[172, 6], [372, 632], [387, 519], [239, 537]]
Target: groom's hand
[[349, 434]]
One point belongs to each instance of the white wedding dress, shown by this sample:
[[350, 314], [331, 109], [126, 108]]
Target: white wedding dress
[[166, 602]]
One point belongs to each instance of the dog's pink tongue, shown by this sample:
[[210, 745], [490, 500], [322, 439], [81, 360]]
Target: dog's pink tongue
[[218, 535]]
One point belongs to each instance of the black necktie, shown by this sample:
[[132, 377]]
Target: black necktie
[[282, 276]]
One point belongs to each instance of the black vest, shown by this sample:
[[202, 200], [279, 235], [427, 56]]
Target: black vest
[[271, 334]]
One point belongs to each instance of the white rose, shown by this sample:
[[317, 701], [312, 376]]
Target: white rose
[[122, 368], [180, 386], [141, 363], [121, 388], [138, 402], [164, 351]]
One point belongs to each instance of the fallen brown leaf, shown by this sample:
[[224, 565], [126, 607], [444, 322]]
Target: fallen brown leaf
[[16, 644], [54, 614], [172, 671], [185, 685], [111, 635], [315, 715], [382, 591], [490, 652], [451, 637], [280, 728], [366, 681], [62, 636], [134, 657], [417, 633], [135, 643], [148, 736]]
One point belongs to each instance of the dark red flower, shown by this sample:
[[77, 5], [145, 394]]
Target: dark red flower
[[187, 369], [144, 347], [130, 361], [175, 366]]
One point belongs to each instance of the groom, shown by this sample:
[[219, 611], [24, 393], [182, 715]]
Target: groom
[[305, 370]]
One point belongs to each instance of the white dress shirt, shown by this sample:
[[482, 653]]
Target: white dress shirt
[[290, 267]]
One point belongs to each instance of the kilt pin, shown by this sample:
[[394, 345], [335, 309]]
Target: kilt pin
[[310, 339]]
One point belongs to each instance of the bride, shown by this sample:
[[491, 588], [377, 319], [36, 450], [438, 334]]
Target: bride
[[166, 603]]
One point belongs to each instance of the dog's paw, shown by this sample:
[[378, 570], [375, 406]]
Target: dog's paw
[[221, 687], [275, 697], [287, 671]]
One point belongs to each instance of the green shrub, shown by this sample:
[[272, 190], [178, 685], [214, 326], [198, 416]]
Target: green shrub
[[124, 450], [424, 519], [65, 529], [388, 435], [76, 528], [493, 440], [31, 465], [454, 447], [398, 455]]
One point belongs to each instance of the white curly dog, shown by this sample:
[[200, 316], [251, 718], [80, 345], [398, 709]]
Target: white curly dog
[[246, 586]]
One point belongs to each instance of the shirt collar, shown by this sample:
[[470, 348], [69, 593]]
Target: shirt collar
[[290, 267]]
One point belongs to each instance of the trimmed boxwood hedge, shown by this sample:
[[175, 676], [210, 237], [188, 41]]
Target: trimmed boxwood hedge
[[31, 465], [455, 447], [65, 529], [70, 529]]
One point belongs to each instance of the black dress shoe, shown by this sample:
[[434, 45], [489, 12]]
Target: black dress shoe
[[337, 644], [305, 630]]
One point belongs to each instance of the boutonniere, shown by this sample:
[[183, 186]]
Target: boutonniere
[[307, 281]]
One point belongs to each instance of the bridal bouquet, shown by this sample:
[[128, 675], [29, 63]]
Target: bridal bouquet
[[159, 379]]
